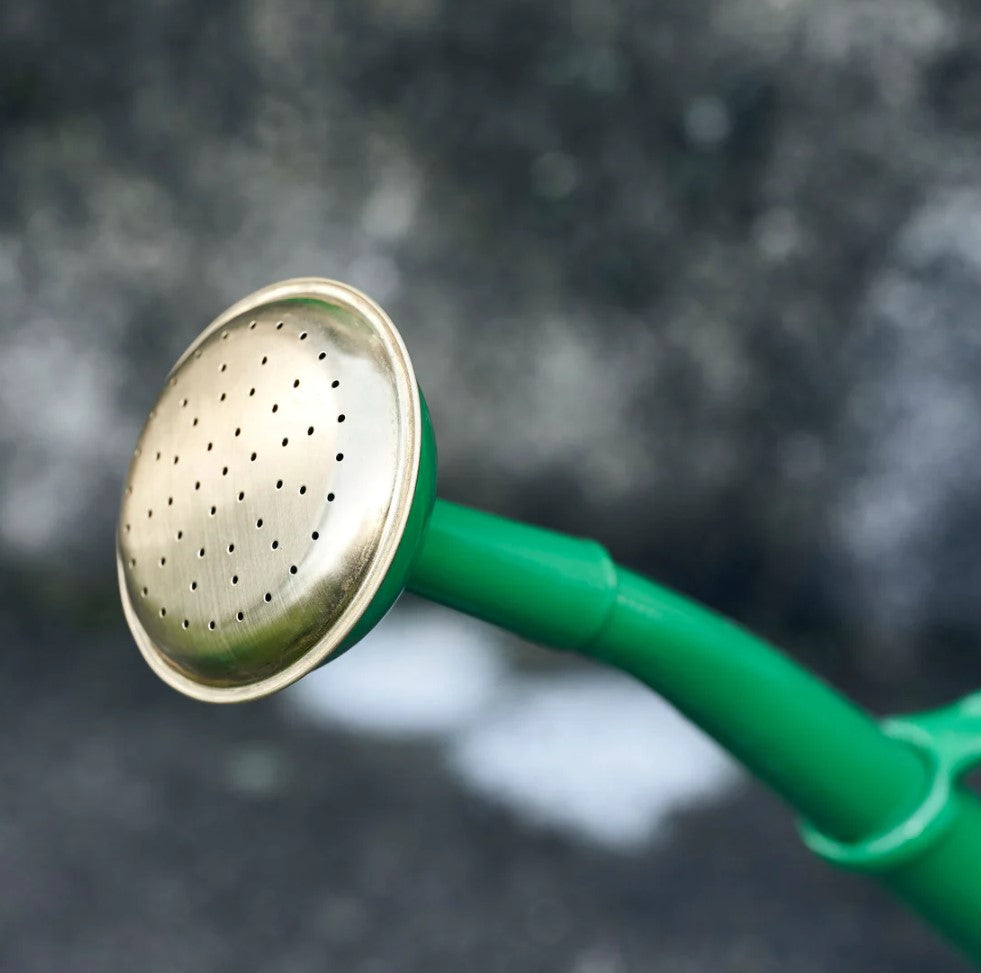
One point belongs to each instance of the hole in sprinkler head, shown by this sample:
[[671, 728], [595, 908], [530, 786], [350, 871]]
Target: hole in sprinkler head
[[144, 592], [267, 596], [292, 569], [158, 454], [265, 358], [316, 535], [275, 544], [222, 397], [334, 384], [296, 383], [310, 431], [183, 403], [194, 586], [234, 579], [279, 484], [163, 612], [322, 355], [303, 490], [339, 457], [252, 457], [240, 616], [210, 446], [213, 510], [231, 548], [279, 325], [341, 417], [223, 367], [211, 624], [195, 421], [238, 431], [170, 501], [258, 523], [275, 407], [149, 513], [252, 326], [330, 497], [224, 335], [251, 391], [303, 336], [201, 552], [185, 623], [285, 440], [224, 471], [197, 484], [180, 534], [241, 495]]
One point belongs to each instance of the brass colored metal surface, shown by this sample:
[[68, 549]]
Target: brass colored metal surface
[[268, 490]]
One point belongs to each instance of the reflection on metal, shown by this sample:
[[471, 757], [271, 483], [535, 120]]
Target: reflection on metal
[[269, 490]]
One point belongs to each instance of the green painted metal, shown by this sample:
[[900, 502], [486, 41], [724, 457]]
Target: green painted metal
[[423, 498], [882, 799]]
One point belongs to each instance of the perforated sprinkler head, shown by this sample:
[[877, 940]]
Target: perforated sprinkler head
[[276, 494]]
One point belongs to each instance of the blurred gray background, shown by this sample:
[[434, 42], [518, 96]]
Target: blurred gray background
[[700, 279]]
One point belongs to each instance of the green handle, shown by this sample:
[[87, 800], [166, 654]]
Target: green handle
[[863, 790]]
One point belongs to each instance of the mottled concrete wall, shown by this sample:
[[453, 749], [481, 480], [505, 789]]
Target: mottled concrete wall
[[699, 278]]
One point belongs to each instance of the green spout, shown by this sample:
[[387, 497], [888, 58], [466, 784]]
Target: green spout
[[868, 797]]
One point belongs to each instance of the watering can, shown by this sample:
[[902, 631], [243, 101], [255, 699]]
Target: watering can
[[282, 494]]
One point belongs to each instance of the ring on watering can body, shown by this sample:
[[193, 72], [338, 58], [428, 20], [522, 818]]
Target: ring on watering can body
[[948, 741]]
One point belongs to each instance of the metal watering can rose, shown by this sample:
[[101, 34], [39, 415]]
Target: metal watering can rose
[[282, 495]]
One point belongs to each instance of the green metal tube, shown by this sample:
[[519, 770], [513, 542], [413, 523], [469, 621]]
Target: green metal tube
[[821, 753], [824, 755], [817, 750]]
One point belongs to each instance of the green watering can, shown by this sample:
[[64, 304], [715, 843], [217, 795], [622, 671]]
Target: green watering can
[[282, 495]]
